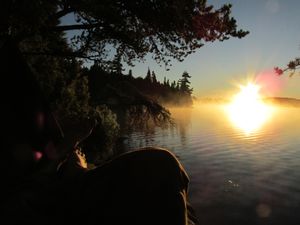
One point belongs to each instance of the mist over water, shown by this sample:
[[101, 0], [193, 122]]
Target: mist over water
[[236, 177]]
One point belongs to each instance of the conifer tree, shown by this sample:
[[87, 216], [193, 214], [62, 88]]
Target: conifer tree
[[154, 80], [148, 76], [185, 83], [130, 73]]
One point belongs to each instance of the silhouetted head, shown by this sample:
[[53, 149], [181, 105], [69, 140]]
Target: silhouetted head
[[29, 129], [95, 144]]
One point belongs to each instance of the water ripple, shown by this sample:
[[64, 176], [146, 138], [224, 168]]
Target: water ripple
[[228, 167]]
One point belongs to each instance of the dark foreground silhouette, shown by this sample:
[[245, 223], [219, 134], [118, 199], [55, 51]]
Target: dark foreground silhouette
[[148, 186], [142, 187]]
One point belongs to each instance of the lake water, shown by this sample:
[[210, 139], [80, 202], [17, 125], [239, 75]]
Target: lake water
[[237, 177]]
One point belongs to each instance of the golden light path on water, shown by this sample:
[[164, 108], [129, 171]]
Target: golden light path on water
[[247, 111]]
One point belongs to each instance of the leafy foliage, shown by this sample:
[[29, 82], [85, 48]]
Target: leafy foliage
[[123, 96], [167, 29], [292, 66], [107, 119], [75, 101]]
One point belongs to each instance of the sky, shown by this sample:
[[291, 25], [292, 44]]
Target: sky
[[217, 68]]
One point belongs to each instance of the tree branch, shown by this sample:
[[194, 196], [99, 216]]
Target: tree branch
[[75, 27], [61, 13], [62, 54]]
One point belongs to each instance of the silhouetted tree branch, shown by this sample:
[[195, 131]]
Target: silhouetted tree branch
[[75, 27], [167, 29], [291, 67]]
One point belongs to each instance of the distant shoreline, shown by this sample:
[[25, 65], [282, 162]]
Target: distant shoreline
[[283, 101]]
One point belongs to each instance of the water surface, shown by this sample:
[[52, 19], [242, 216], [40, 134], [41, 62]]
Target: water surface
[[237, 177]]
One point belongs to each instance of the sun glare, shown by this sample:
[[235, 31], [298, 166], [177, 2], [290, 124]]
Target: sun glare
[[247, 111]]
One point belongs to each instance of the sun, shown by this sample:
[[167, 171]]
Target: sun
[[247, 111]]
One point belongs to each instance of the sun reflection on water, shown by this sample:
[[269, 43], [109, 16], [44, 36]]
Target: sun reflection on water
[[247, 111]]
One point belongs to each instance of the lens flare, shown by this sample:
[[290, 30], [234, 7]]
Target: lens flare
[[247, 111]]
